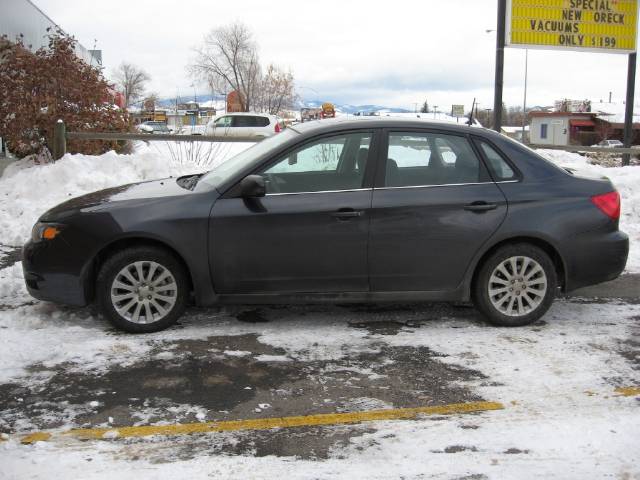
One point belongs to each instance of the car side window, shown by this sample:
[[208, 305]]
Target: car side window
[[409, 150], [500, 169], [244, 121], [331, 163], [448, 155], [223, 122], [423, 159], [261, 121]]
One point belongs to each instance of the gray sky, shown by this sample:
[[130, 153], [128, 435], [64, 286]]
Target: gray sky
[[347, 51]]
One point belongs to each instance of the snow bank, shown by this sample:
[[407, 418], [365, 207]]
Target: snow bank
[[28, 190], [626, 181], [12, 289]]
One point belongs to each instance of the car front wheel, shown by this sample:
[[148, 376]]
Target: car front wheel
[[515, 286], [142, 289]]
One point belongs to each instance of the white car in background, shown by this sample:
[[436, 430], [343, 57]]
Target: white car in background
[[192, 130], [610, 144], [256, 125], [153, 127]]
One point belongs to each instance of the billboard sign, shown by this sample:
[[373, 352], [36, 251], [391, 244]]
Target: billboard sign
[[588, 25], [457, 110]]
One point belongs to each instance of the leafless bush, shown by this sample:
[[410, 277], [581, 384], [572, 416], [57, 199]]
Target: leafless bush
[[202, 154]]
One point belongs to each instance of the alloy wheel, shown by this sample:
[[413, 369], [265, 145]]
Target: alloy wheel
[[144, 292], [517, 286]]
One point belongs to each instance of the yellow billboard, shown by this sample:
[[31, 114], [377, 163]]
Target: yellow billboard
[[589, 25]]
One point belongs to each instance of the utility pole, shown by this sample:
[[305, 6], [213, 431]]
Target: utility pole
[[499, 80], [628, 112]]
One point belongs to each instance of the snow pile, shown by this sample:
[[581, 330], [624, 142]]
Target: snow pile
[[626, 181], [12, 289], [28, 190]]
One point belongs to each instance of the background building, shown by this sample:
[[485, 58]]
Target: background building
[[581, 123], [23, 19], [562, 128]]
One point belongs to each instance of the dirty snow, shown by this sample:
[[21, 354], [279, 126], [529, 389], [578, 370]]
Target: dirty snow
[[562, 418]]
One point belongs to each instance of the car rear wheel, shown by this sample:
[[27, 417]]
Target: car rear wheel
[[142, 289], [515, 286]]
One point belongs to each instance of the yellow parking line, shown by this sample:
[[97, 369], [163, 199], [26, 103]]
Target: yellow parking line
[[628, 391], [36, 437], [267, 423]]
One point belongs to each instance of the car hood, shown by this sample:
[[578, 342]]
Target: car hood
[[103, 199]]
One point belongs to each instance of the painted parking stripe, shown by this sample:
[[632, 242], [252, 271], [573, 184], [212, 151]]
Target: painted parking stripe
[[628, 391], [266, 423]]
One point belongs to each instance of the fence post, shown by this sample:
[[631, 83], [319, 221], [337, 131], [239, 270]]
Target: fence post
[[59, 140]]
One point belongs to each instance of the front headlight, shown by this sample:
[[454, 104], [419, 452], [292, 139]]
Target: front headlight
[[45, 231]]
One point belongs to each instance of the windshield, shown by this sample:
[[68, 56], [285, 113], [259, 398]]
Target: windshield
[[226, 170]]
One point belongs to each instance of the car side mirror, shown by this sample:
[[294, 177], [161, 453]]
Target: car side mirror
[[252, 186]]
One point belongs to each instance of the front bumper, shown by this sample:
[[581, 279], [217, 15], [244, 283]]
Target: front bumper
[[48, 276]]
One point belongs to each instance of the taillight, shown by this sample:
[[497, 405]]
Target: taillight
[[277, 127], [608, 203]]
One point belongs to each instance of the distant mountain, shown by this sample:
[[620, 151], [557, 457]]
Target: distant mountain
[[171, 102], [347, 108], [344, 108]]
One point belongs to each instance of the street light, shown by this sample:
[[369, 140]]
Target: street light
[[195, 97]]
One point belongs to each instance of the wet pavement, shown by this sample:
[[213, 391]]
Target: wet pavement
[[238, 376]]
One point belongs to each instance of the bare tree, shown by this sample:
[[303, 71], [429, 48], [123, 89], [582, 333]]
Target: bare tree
[[515, 116], [229, 58], [276, 92], [131, 80]]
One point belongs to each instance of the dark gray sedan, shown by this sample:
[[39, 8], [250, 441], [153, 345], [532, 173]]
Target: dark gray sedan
[[368, 210]]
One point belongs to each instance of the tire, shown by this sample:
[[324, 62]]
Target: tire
[[147, 303], [509, 300]]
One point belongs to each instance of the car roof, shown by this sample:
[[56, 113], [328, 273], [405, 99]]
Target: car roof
[[347, 123]]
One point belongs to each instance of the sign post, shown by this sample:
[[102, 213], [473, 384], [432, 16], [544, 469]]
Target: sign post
[[499, 81], [628, 111], [607, 26]]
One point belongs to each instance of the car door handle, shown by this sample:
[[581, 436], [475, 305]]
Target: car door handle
[[480, 207], [347, 213]]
